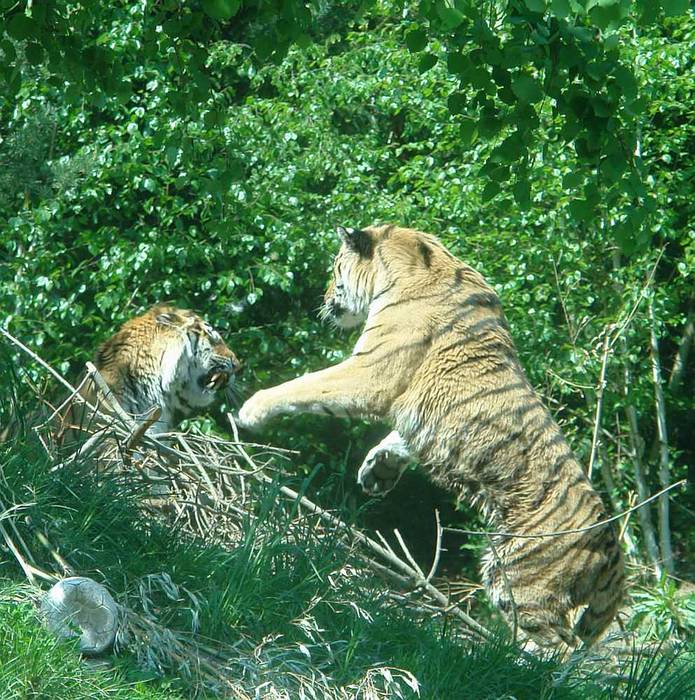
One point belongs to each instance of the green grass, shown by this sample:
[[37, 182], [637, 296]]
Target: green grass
[[287, 606]]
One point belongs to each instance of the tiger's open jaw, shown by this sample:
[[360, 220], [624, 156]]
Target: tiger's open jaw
[[217, 380]]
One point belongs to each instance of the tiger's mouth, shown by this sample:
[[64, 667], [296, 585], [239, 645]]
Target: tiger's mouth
[[216, 380]]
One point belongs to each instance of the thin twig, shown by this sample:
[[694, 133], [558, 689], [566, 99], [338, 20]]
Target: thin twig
[[574, 531], [438, 548], [409, 556], [137, 435], [599, 403]]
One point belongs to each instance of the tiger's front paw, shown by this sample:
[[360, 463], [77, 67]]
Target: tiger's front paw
[[382, 468], [255, 412]]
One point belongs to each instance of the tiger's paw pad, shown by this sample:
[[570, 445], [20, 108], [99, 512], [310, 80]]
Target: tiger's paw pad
[[381, 470]]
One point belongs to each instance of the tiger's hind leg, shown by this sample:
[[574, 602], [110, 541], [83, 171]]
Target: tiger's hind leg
[[596, 619]]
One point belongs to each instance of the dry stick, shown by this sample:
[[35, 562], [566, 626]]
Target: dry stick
[[84, 450], [599, 403], [199, 466], [438, 549], [109, 397], [409, 556], [92, 371], [573, 531], [664, 466], [623, 529], [134, 440], [67, 401]]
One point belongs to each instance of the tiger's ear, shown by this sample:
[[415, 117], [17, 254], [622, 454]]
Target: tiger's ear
[[357, 239], [168, 318]]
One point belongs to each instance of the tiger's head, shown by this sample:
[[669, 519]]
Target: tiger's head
[[350, 290], [196, 364], [373, 260]]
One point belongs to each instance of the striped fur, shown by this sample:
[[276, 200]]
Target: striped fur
[[168, 358], [437, 361]]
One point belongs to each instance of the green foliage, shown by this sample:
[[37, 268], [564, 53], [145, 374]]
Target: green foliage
[[112, 206], [558, 71], [662, 609]]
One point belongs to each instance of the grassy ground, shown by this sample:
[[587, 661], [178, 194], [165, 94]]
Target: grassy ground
[[285, 611]]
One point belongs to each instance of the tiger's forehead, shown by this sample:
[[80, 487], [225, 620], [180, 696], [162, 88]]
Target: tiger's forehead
[[186, 319]]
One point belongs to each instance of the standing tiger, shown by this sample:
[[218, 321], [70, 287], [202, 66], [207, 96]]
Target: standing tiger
[[167, 358], [437, 361]]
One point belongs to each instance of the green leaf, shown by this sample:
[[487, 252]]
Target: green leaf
[[457, 102], [456, 62], [611, 42], [416, 40], [303, 41], [582, 210], [608, 14], [561, 8], [8, 50], [522, 193], [221, 10], [450, 16], [490, 190], [511, 149], [469, 132], [535, 5], [426, 62], [527, 89], [572, 181], [500, 174], [20, 27], [624, 236], [583, 34], [626, 79], [34, 53], [149, 184], [171, 153], [672, 8]]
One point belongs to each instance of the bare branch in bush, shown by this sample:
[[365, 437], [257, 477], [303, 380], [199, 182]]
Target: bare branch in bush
[[664, 465]]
